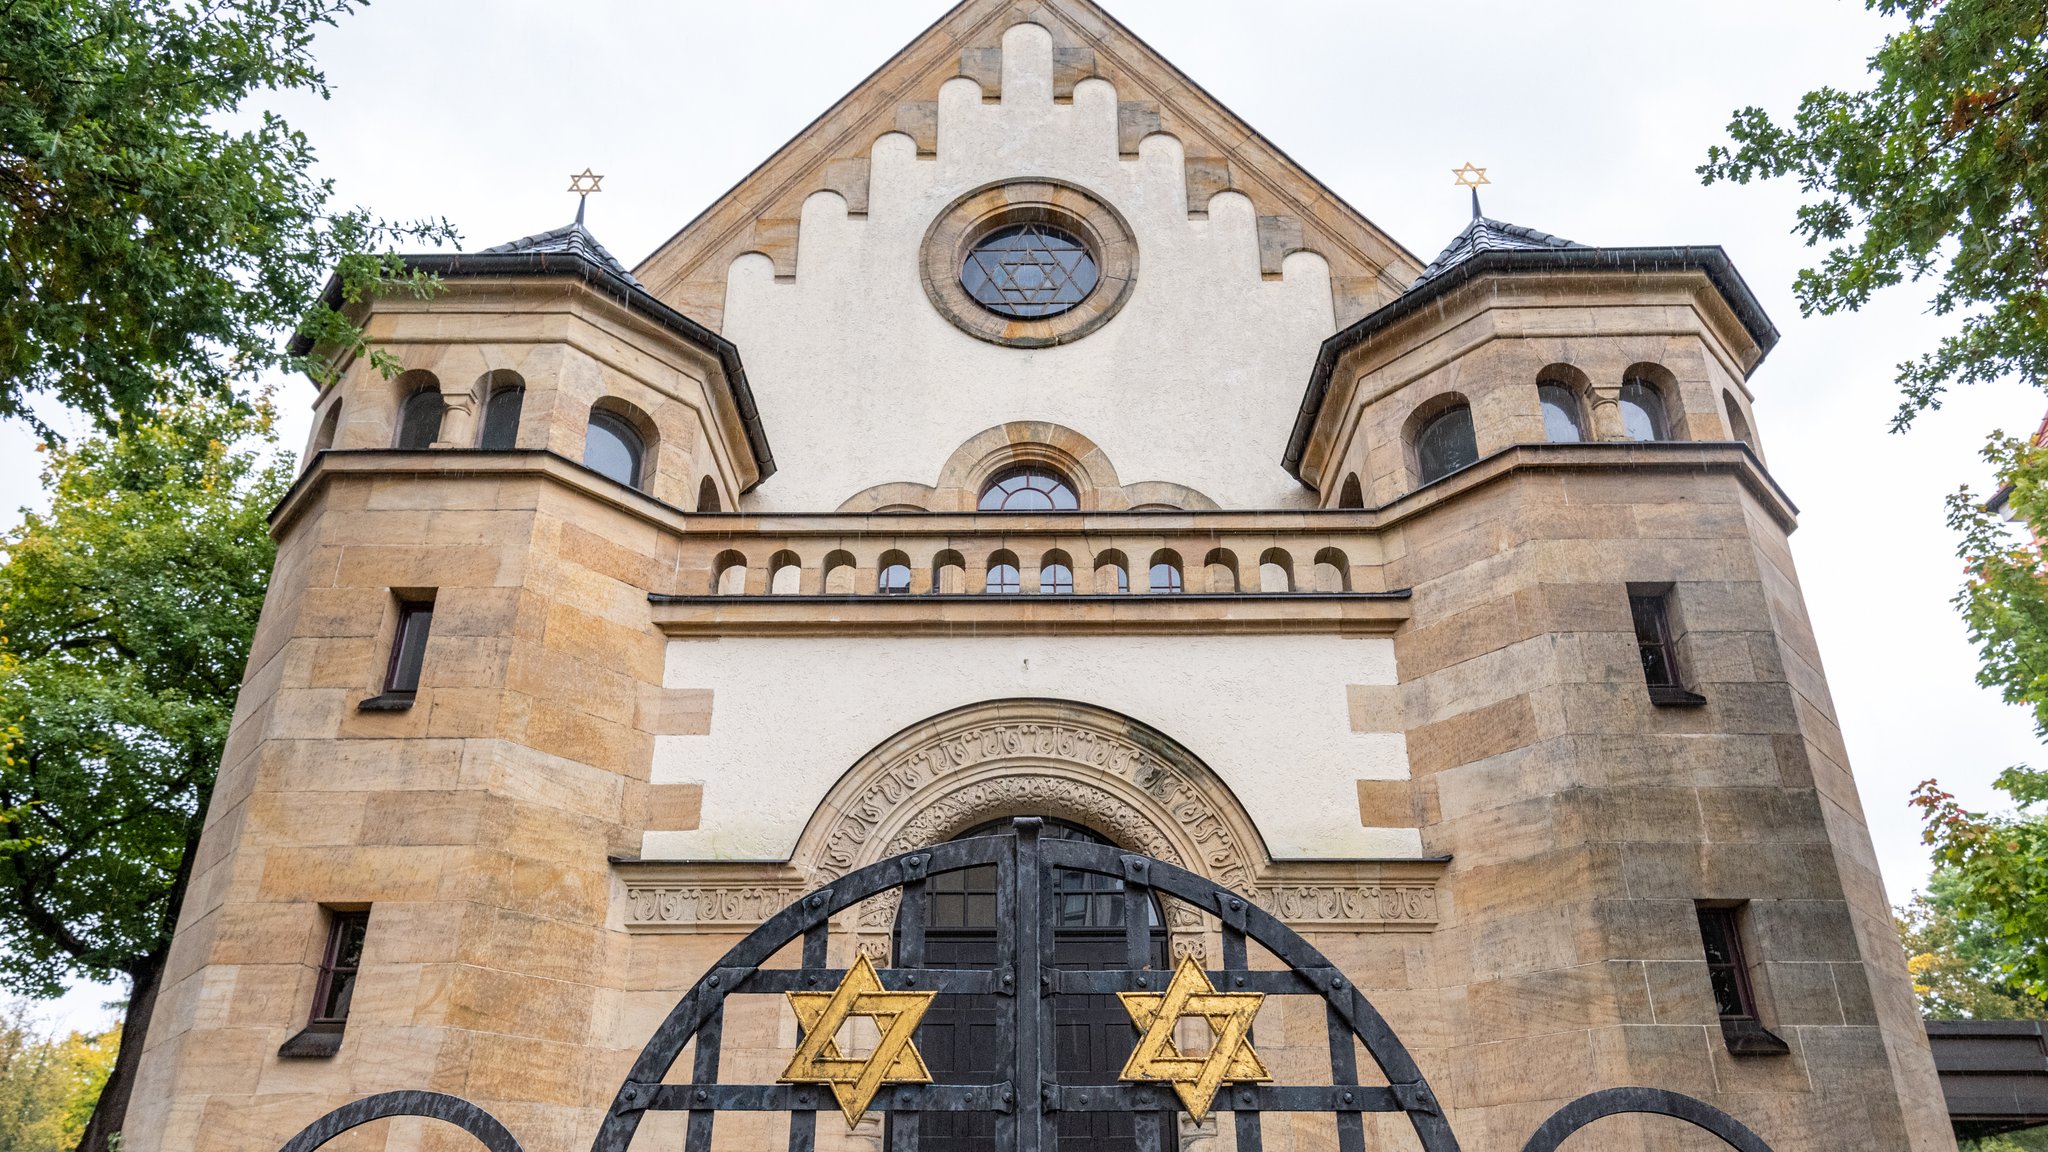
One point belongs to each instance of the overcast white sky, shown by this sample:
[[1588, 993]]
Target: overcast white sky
[[1589, 114]]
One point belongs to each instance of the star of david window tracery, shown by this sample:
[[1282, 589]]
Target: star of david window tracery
[[1029, 271]]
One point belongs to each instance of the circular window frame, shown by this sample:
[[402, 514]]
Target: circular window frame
[[1055, 203]]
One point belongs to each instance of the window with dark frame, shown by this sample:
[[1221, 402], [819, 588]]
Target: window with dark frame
[[1728, 976], [1657, 645], [409, 647], [338, 968], [1726, 969], [501, 418]]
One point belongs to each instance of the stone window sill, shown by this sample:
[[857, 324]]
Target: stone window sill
[[1748, 1037], [1672, 696], [315, 1041], [387, 702]]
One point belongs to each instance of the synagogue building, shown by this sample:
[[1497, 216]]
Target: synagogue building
[[1032, 623]]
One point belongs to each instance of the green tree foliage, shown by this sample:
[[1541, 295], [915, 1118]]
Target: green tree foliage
[[1960, 963], [141, 241], [126, 614], [48, 1086], [1938, 169], [1996, 864]]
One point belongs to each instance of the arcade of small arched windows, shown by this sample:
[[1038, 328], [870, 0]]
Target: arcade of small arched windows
[[619, 440], [1063, 570], [1442, 440]]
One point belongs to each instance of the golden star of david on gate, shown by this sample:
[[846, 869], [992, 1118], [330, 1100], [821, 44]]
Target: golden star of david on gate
[[1195, 1079], [1470, 177], [895, 1059]]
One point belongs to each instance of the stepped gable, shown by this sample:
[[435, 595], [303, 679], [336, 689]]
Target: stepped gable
[[1221, 153]]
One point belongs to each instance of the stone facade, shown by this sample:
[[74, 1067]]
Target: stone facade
[[1407, 717]]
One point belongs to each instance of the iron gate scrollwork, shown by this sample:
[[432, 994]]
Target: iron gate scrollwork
[[1028, 988]]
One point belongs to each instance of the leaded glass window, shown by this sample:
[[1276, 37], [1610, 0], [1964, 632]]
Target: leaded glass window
[[1029, 490], [1560, 414], [1446, 445], [1029, 271], [1642, 411]]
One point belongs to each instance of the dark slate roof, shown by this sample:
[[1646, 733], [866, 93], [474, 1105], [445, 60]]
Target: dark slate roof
[[570, 240], [1484, 235]]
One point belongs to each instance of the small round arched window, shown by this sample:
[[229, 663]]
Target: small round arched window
[[1029, 490], [612, 448], [1029, 271], [1642, 411], [1446, 444]]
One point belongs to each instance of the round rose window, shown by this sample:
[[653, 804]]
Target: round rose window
[[1029, 271]]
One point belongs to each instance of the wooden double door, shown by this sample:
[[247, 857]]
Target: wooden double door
[[1092, 1035]]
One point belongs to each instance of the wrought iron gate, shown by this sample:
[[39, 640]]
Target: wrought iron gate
[[1028, 989]]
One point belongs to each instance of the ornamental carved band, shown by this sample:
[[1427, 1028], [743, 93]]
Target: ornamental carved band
[[673, 908], [850, 843]]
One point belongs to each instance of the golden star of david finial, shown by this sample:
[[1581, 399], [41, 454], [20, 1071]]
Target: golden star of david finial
[[585, 182], [1195, 1079], [1470, 177], [895, 1059]]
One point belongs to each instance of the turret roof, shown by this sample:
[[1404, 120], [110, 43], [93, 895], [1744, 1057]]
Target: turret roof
[[1488, 235], [571, 239]]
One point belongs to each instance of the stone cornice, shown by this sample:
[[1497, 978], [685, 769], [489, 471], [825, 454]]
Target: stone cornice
[[1687, 457], [1346, 613]]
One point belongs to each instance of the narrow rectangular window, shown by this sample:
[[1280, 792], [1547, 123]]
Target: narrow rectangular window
[[1727, 970], [409, 647], [1653, 640], [344, 956]]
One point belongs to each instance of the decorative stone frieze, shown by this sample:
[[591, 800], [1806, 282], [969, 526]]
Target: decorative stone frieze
[[1041, 758]]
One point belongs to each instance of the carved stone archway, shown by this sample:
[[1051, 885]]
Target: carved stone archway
[[1078, 762], [1075, 762]]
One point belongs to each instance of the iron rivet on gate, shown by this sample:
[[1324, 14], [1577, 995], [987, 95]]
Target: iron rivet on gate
[[1236, 905], [702, 1095], [1141, 982], [1347, 1097], [713, 981]]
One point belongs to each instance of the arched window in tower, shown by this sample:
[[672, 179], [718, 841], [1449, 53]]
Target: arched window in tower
[[1446, 444], [1351, 495], [1642, 410], [707, 496], [612, 448], [1029, 489], [501, 413], [419, 418], [1004, 577], [329, 425], [1738, 425], [1561, 424]]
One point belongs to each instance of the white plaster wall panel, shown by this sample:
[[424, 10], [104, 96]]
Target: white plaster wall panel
[[790, 715], [860, 380]]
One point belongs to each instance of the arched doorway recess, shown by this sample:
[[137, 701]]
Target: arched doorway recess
[[1071, 763]]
